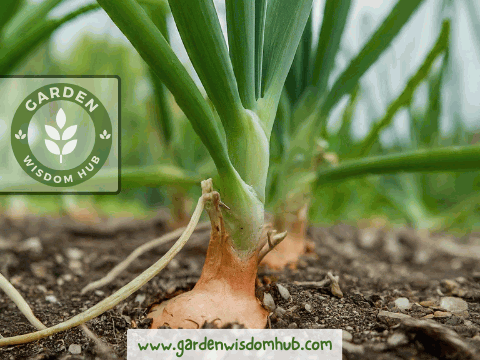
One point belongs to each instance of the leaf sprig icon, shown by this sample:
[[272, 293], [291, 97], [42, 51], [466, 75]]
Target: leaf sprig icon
[[105, 135], [54, 134], [20, 135]]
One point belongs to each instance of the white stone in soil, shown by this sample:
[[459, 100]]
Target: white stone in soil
[[403, 303], [140, 298], [284, 293], [51, 299], [453, 304], [397, 339], [346, 336], [268, 302], [352, 348], [74, 253], [279, 311], [32, 244], [75, 349]]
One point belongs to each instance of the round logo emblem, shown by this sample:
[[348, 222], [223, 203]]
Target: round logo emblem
[[66, 142]]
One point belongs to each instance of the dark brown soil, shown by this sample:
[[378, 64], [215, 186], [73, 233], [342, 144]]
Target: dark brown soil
[[50, 260]]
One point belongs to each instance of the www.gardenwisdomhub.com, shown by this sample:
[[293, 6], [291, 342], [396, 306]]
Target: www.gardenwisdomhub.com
[[210, 344]]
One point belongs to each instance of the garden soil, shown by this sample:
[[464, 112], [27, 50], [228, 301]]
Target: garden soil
[[406, 295]]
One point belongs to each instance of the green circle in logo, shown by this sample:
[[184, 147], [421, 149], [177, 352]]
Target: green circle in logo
[[59, 140]]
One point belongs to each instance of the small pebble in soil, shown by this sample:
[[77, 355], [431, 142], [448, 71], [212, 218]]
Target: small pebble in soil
[[352, 348], [32, 245], [174, 264], [39, 270], [397, 339], [442, 314], [51, 299], [428, 303], [453, 304], [140, 298], [346, 336], [279, 311], [284, 293], [74, 253], [308, 307], [403, 303], [75, 349], [293, 326], [59, 258], [268, 302]]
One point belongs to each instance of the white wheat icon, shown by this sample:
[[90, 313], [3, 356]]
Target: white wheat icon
[[54, 134]]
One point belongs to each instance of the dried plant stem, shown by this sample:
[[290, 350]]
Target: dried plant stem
[[118, 269], [273, 239], [22, 305], [121, 294]]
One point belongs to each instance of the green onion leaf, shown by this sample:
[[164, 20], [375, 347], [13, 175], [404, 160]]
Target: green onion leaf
[[200, 29], [454, 158], [284, 27], [335, 17], [154, 49], [241, 41]]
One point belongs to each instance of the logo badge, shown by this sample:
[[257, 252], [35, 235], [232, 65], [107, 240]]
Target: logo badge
[[64, 135]]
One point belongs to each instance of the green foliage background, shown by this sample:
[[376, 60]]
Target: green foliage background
[[441, 201]]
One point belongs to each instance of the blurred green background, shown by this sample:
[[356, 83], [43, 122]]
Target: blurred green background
[[444, 112]]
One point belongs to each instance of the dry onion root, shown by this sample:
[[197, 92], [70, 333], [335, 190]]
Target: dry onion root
[[113, 299], [22, 305], [118, 269]]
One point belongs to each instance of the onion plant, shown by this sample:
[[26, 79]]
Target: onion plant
[[252, 85], [263, 124], [245, 97], [299, 161]]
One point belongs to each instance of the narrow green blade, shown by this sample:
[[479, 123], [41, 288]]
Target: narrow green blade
[[307, 41], [13, 54], [200, 29], [260, 15], [154, 49], [10, 7], [431, 127], [453, 158], [298, 76], [284, 27], [294, 84], [24, 21], [241, 41], [159, 14], [378, 43], [335, 17], [281, 127], [404, 99]]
